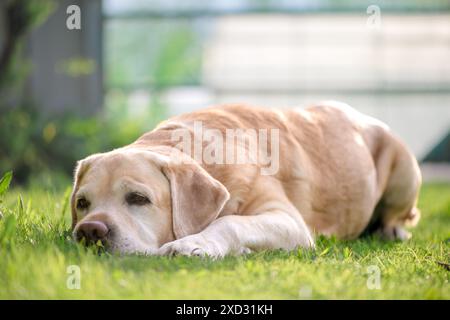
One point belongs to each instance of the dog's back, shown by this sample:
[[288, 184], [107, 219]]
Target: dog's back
[[336, 165]]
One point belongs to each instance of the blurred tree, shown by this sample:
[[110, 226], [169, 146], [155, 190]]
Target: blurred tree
[[20, 17]]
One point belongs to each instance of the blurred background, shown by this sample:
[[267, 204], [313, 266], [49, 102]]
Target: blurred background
[[67, 93]]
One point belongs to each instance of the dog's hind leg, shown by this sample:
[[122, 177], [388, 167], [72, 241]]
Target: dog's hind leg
[[397, 206]]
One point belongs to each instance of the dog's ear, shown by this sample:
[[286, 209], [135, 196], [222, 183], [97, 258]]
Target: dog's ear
[[80, 169], [197, 198]]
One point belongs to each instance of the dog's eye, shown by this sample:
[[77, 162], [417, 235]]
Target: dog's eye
[[134, 198], [82, 204]]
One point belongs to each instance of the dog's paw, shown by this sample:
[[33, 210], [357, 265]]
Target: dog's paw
[[193, 245], [394, 233]]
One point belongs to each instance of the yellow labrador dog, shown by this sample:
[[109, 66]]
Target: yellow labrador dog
[[235, 179]]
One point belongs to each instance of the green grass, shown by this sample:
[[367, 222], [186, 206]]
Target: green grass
[[36, 250]]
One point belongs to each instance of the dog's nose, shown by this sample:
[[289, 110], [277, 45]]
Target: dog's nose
[[92, 231]]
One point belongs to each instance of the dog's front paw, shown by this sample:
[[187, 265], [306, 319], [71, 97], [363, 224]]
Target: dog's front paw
[[193, 245]]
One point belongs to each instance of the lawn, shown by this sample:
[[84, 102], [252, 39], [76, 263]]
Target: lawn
[[36, 255]]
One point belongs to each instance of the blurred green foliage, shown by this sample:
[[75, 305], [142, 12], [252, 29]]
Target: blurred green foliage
[[76, 67], [152, 53], [43, 150]]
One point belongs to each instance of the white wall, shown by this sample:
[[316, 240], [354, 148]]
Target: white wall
[[399, 73]]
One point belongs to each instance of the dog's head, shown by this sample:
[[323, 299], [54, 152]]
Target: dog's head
[[135, 200]]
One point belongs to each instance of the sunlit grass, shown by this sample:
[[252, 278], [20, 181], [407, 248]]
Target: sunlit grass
[[36, 251]]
